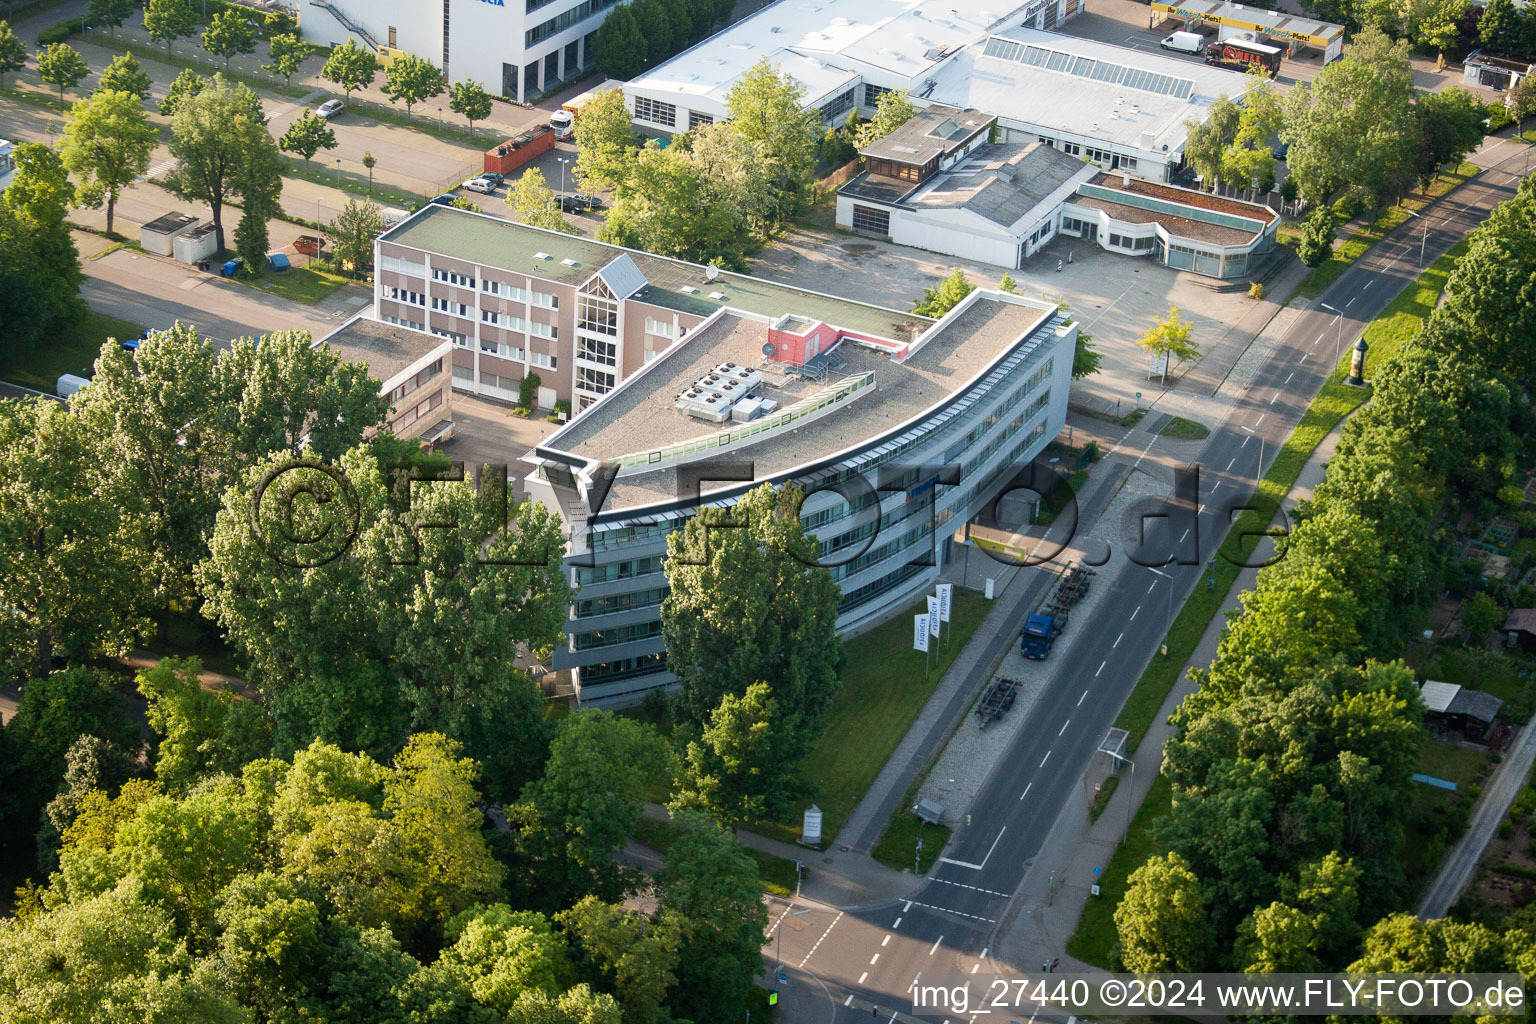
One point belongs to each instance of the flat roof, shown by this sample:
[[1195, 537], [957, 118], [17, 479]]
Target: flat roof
[[170, 223], [932, 132], [385, 349], [640, 414], [1002, 182], [493, 242], [1200, 231], [818, 41], [1279, 24], [1185, 196], [1084, 88]]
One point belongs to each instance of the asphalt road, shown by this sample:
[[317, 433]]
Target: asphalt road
[[869, 958]]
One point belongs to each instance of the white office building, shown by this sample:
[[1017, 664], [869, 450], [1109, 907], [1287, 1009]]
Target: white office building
[[517, 48], [844, 52]]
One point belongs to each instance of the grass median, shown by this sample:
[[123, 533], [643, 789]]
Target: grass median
[[1095, 939], [1386, 336], [71, 350]]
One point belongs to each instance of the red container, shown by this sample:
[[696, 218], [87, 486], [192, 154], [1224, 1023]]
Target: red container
[[513, 153]]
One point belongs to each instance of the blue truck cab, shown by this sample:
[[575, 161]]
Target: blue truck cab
[[1039, 632]]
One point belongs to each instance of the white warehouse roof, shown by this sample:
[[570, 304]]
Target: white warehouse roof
[[829, 44], [1098, 91]]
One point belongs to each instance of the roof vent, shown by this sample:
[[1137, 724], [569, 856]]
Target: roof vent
[[542, 256], [690, 289], [717, 296], [569, 262]]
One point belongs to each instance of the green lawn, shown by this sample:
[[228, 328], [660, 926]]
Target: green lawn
[[1360, 241], [1179, 427], [1335, 401], [1438, 817], [1106, 791], [72, 350], [301, 284], [898, 843], [1095, 939]]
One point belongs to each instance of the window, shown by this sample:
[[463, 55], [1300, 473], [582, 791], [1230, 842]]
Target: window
[[452, 277], [594, 351], [695, 119], [505, 290], [655, 111], [463, 373], [872, 94], [1071, 149], [871, 220], [650, 354], [597, 315], [513, 352], [428, 373], [1127, 163], [403, 323], [404, 295], [490, 380], [504, 320], [660, 328], [596, 381], [545, 300], [837, 106], [542, 361], [444, 306], [539, 330], [458, 339], [563, 20], [1098, 156]]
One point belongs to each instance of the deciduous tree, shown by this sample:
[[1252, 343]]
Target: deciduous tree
[[409, 79], [107, 144], [605, 139], [352, 234], [935, 302], [532, 201], [186, 85], [110, 13], [1208, 139], [1170, 340], [229, 33], [620, 46], [892, 110], [306, 136], [1499, 28], [124, 75], [765, 106], [215, 136], [202, 732], [470, 100], [13, 52], [62, 65], [351, 67], [736, 770], [286, 54], [1317, 234], [627, 953], [169, 20], [1161, 920]]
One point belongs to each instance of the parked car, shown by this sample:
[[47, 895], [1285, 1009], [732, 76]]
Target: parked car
[[309, 245], [483, 185], [1280, 150], [1184, 42], [500, 179], [132, 344], [594, 202], [570, 203], [329, 109], [446, 199]]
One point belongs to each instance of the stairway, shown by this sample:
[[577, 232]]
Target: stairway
[[346, 22]]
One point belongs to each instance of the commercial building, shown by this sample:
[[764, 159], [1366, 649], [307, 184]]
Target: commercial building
[[937, 184], [1290, 32], [1498, 71], [1117, 108], [917, 423], [412, 369], [518, 48], [844, 53]]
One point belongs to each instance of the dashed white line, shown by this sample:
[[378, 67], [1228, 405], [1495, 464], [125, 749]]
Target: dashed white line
[[1213, 488], [1317, 339], [885, 941], [849, 1000], [1260, 419], [1229, 464], [1303, 359], [1149, 590], [1044, 759], [862, 977], [973, 888], [1026, 791], [1245, 442], [946, 910], [1064, 726], [823, 938], [1181, 541], [897, 924], [1289, 376], [907, 907], [1117, 641], [1101, 668], [1274, 398], [1082, 698], [975, 968], [1138, 608], [1351, 301], [1367, 284], [876, 958], [935, 948]]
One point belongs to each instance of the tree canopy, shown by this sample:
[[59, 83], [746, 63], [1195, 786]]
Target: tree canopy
[[350, 66], [219, 137], [107, 143]]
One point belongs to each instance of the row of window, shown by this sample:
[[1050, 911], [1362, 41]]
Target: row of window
[[624, 668], [695, 118], [403, 322], [508, 291], [426, 374], [837, 106], [1134, 244], [405, 295], [461, 340], [599, 382], [660, 328], [565, 20], [655, 111], [587, 575], [620, 602], [594, 351], [452, 277], [872, 94], [418, 412], [443, 305], [872, 220], [617, 635]]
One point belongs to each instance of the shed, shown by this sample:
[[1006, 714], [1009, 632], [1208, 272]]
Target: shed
[[1458, 707], [159, 235], [929, 811], [1520, 628], [198, 244]]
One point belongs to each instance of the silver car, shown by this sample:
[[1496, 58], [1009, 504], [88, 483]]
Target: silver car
[[329, 109], [485, 186]]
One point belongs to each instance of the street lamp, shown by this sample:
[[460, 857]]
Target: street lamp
[[1423, 238], [562, 161], [1168, 625], [1338, 344], [1260, 474], [338, 170], [318, 219], [778, 945]]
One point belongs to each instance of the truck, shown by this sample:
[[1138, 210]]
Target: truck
[[1245, 53], [1184, 42], [1039, 632]]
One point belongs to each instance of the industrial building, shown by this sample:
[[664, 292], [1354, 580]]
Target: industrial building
[[674, 367], [1290, 32], [844, 53], [517, 48]]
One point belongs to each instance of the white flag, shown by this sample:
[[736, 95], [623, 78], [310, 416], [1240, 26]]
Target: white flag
[[933, 615], [920, 633], [944, 597]]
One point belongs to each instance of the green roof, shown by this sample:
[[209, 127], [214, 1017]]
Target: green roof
[[490, 241]]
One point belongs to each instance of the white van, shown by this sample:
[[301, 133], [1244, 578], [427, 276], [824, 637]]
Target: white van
[[1184, 42], [560, 120], [69, 384]]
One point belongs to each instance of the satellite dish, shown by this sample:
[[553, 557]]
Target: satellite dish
[[768, 348], [711, 272]]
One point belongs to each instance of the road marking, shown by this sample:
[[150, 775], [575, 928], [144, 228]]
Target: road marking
[[1181, 541], [1303, 359], [862, 977], [1245, 441], [1213, 489], [897, 924], [823, 938], [885, 941], [984, 951], [973, 888], [1082, 698], [1117, 641], [1229, 463], [1044, 759], [1138, 607], [1260, 419], [1064, 726], [1277, 395], [1351, 302], [957, 913], [1026, 791], [874, 959], [1367, 284], [1201, 512], [1317, 339], [1101, 668], [907, 907], [994, 843], [935, 948], [849, 1000], [1288, 377], [975, 968], [1149, 590]]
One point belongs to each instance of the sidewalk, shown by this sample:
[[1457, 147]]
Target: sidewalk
[[1046, 907]]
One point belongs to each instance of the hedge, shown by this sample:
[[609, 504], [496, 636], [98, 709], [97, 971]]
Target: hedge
[[60, 32]]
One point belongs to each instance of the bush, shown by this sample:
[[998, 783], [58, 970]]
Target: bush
[[1530, 847], [1511, 495], [1497, 115], [1516, 870], [1506, 829], [60, 32], [1256, 290], [1346, 207], [528, 390]]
